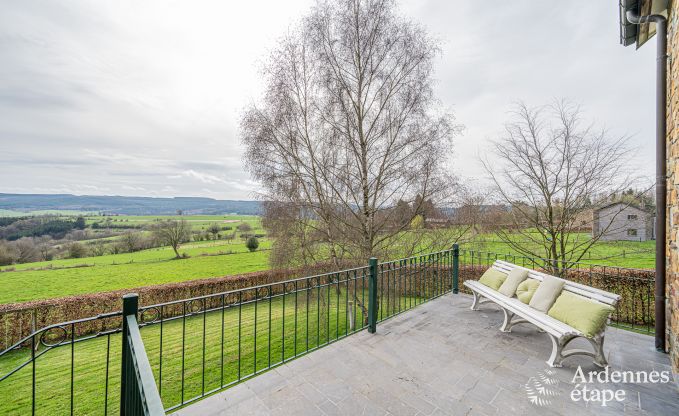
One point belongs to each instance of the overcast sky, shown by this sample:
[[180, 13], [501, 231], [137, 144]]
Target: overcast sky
[[143, 97]]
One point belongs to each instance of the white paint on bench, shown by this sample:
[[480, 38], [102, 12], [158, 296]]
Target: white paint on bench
[[559, 333]]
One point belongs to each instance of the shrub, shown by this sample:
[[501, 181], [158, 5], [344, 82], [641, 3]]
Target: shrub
[[28, 252], [252, 243], [244, 227], [8, 254], [76, 250], [80, 223]]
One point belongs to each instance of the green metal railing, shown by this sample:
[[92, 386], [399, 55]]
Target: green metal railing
[[138, 392]]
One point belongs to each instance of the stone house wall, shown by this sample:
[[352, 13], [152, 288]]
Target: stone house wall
[[673, 184], [615, 222]]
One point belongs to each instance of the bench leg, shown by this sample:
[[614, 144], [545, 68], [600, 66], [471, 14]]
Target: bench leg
[[557, 356], [475, 302], [510, 321], [507, 324], [599, 356], [559, 352]]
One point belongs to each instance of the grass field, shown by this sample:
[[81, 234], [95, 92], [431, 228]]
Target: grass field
[[632, 254], [45, 284], [269, 332], [197, 221], [193, 249], [10, 213], [64, 277], [57, 278], [156, 266]]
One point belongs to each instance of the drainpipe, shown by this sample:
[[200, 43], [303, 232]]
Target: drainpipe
[[660, 167]]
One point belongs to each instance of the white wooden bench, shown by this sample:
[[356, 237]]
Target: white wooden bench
[[560, 333]]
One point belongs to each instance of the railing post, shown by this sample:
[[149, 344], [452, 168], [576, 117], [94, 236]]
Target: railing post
[[456, 268], [372, 296], [130, 307]]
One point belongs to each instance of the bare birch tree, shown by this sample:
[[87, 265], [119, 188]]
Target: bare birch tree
[[552, 167], [347, 127]]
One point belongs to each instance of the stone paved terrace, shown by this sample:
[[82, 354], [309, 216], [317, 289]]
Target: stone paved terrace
[[442, 359]]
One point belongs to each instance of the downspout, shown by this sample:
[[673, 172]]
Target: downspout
[[660, 167]]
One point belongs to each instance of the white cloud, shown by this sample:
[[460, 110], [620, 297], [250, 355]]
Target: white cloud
[[123, 96], [200, 176]]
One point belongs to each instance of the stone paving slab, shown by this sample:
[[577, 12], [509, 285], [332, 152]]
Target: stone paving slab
[[443, 359]]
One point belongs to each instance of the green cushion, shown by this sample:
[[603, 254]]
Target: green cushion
[[514, 278], [585, 315], [493, 278], [546, 294], [526, 290]]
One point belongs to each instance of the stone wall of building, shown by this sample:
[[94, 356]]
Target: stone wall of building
[[673, 184], [620, 222]]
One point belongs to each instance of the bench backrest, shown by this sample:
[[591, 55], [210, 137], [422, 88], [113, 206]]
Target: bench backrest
[[577, 288]]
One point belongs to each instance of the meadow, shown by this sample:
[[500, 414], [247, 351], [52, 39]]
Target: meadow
[[204, 259], [631, 254], [64, 277]]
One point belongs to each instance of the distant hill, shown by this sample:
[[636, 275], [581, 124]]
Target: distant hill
[[127, 205]]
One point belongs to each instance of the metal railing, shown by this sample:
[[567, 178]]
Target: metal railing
[[208, 343], [138, 391], [23, 380]]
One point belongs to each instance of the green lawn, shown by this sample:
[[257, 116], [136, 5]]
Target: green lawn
[[63, 277], [43, 284], [59, 212], [197, 221], [632, 254], [192, 249], [298, 327]]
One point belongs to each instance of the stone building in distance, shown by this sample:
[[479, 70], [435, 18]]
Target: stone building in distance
[[621, 221]]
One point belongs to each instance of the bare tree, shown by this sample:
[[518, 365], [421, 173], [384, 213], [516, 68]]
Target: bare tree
[[76, 250], [214, 229], [244, 227], [27, 249], [44, 245], [348, 127], [131, 241], [172, 233], [8, 253], [552, 167]]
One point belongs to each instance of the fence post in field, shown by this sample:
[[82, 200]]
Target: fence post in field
[[130, 307], [372, 296], [456, 268]]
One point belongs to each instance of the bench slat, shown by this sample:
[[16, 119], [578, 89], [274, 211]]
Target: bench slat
[[578, 288]]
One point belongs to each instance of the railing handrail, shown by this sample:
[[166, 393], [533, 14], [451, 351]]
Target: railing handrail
[[153, 405], [235, 291], [138, 391], [636, 269]]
